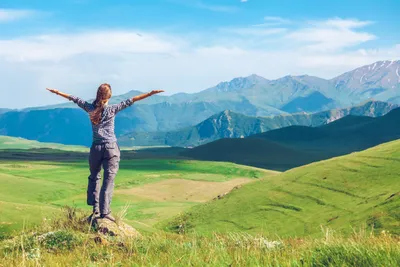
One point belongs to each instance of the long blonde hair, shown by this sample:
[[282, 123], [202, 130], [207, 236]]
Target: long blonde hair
[[103, 95]]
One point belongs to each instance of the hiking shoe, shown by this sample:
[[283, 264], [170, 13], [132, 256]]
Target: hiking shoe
[[96, 209], [93, 216], [108, 217]]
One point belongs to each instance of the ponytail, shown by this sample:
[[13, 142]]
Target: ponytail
[[103, 95], [95, 115]]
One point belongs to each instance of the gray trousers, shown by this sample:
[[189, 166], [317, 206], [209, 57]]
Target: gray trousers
[[106, 155]]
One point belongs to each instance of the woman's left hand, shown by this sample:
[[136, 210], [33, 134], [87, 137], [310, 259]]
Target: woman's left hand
[[156, 92], [54, 91]]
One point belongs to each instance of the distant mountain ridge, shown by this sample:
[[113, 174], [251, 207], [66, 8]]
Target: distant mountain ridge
[[379, 75], [228, 124], [309, 103], [4, 110], [377, 81], [251, 96]]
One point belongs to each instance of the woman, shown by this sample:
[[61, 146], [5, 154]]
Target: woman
[[104, 150]]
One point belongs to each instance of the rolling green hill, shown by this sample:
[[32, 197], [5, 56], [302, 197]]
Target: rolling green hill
[[340, 193], [7, 142]]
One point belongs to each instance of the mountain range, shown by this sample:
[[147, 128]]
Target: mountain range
[[4, 110], [228, 124], [250, 96], [293, 146]]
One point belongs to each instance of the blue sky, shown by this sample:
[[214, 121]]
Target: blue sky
[[183, 45]]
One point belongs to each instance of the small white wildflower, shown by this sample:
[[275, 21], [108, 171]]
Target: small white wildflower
[[33, 254], [43, 236], [262, 242]]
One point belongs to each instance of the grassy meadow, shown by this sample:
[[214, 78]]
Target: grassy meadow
[[340, 212], [152, 189]]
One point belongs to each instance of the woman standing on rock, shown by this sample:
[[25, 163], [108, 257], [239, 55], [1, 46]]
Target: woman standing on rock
[[104, 150]]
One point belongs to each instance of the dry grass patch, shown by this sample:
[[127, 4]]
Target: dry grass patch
[[183, 190]]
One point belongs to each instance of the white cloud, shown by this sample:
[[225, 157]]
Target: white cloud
[[345, 23], [243, 1], [58, 47], [256, 31], [332, 35], [273, 21], [7, 15], [78, 62], [276, 19], [272, 26]]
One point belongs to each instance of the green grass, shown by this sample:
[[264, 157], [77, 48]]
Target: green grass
[[341, 193], [33, 190], [69, 242], [7, 142], [16, 143]]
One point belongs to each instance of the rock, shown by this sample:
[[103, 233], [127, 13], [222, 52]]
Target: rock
[[101, 240], [121, 229]]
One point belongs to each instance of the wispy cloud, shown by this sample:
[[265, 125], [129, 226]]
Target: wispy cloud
[[255, 31], [331, 35], [216, 8], [207, 6], [273, 21], [344, 23], [7, 15], [59, 47], [272, 26]]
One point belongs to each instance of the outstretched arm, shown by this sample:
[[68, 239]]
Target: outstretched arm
[[55, 91], [143, 96], [129, 102], [81, 103]]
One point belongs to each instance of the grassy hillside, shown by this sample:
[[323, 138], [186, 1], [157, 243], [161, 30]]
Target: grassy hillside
[[68, 242], [341, 193], [153, 189]]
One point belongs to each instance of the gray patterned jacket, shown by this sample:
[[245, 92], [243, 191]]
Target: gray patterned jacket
[[104, 131]]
